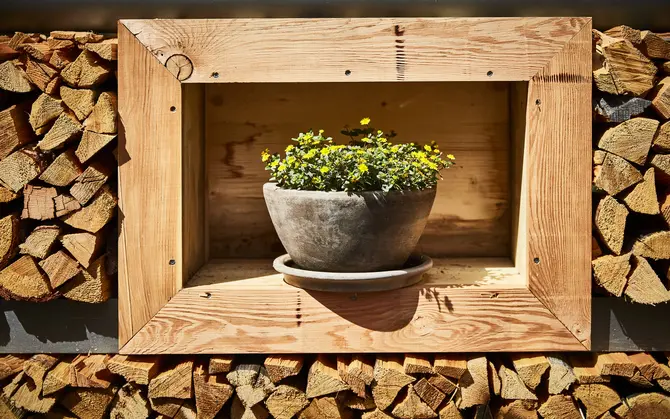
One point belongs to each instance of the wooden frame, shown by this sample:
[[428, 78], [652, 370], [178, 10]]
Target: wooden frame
[[544, 303]]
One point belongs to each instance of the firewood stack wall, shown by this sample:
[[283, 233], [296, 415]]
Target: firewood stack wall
[[522, 386], [58, 126]]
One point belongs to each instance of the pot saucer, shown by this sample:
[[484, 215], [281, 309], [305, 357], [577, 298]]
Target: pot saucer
[[408, 275]]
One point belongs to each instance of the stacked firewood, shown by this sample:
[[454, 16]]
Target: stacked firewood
[[335, 386], [631, 162], [58, 123]]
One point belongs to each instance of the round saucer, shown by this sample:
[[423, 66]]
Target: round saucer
[[408, 275]]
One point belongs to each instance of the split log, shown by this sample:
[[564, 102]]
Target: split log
[[88, 70], [6, 195], [186, 411], [13, 78], [85, 247], [92, 285], [40, 51], [15, 130], [243, 374], [40, 241], [662, 138], [278, 366], [642, 198], [377, 414], [96, 214], [584, 368], [512, 388], [664, 383], [24, 280], [89, 403], [11, 364], [625, 32], [530, 368], [647, 365], [23, 38], [129, 403], [80, 101], [615, 363], [597, 398], [625, 71], [494, 379], [63, 170], [645, 405], [445, 385], [28, 397], [644, 286], [611, 273], [41, 75], [323, 379], [286, 402], [136, 369], [222, 363], [355, 402], [61, 58], [412, 407], [64, 130], [38, 202], [57, 378], [60, 44], [106, 49], [252, 394], [474, 385], [211, 392], [616, 175], [325, 408], [175, 382], [45, 110], [653, 46], [561, 376], [612, 108], [91, 180], [9, 411], [450, 365], [90, 371], [9, 239], [9, 389], [37, 368], [610, 223], [518, 409], [660, 98], [238, 411], [60, 268], [168, 407], [430, 394], [357, 372], [450, 411], [21, 167], [64, 204], [389, 379], [77, 36], [103, 118], [417, 364], [631, 139], [661, 162], [91, 143]]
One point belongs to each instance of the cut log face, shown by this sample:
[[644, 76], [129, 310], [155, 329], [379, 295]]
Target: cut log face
[[597, 398], [65, 129], [91, 371], [653, 46], [647, 365], [91, 285], [610, 223], [430, 394], [95, 215], [644, 406], [174, 383], [90, 181], [40, 51], [15, 130], [11, 364], [474, 385], [611, 273], [653, 246], [58, 378], [23, 279], [45, 110], [60, 268], [631, 72], [221, 363], [28, 397], [19, 168], [63, 170], [389, 379], [6, 195], [89, 403], [559, 407], [616, 175], [91, 143], [661, 162], [88, 70], [450, 365], [38, 202], [417, 364], [40, 74], [40, 241], [80, 101], [625, 32], [630, 139], [106, 49], [129, 403], [662, 138], [325, 408], [412, 407], [13, 78], [357, 372], [660, 98], [444, 384], [244, 374], [642, 198], [9, 239], [644, 286], [615, 363], [530, 368], [136, 369], [512, 387], [323, 379], [64, 204], [211, 393], [103, 118]]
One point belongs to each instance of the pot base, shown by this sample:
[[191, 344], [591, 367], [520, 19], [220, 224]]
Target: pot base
[[408, 275]]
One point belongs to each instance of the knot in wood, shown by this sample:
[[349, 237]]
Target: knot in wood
[[180, 66]]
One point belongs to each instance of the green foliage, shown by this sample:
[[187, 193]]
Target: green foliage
[[369, 163]]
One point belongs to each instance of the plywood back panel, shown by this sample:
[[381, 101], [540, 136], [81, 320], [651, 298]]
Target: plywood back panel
[[471, 215]]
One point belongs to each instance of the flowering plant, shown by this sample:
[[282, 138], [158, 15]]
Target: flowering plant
[[369, 163]]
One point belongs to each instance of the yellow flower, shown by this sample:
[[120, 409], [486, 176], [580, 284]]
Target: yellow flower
[[282, 167], [265, 155], [427, 148], [290, 159], [321, 131], [274, 163], [394, 149], [451, 157], [381, 140], [289, 148], [363, 168], [311, 153], [324, 170], [365, 121], [325, 151]]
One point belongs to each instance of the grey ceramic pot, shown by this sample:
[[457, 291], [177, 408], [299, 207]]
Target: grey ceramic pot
[[342, 232]]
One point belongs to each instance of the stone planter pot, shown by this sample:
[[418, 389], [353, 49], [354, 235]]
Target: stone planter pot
[[342, 232]]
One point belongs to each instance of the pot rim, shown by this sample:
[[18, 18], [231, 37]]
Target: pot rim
[[274, 187]]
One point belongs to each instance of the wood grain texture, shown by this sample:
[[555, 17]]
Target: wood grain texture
[[377, 49], [149, 188], [457, 308], [559, 158], [471, 214]]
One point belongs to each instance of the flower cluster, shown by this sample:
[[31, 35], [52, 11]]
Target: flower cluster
[[369, 163]]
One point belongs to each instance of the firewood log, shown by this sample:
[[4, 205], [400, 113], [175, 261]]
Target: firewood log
[[450, 365], [96, 214], [412, 407], [65, 204], [352, 401], [625, 32], [561, 376], [615, 363], [512, 387], [520, 409], [60, 268], [616, 175], [40, 51], [323, 379], [357, 372], [13, 78], [9, 239], [175, 382], [23, 279], [91, 143], [28, 397], [474, 385], [44, 111], [40, 241], [286, 402], [644, 286], [85, 247], [57, 378], [38, 202], [9, 389], [278, 366], [21, 167], [584, 368], [444, 384], [631, 139], [325, 408], [647, 366], [37, 368], [129, 403], [102, 119], [106, 49], [61, 58], [91, 180], [167, 407], [63, 170], [64, 130], [613, 108], [11, 364], [611, 272], [222, 363], [610, 223], [417, 364], [7, 53], [653, 46], [597, 398], [642, 198], [211, 392], [6, 195], [645, 405], [88, 70], [530, 368], [41, 75], [450, 411], [244, 374], [430, 394], [79, 101], [252, 394], [90, 371], [389, 379], [15, 130], [89, 403], [660, 98], [495, 383], [77, 36], [135, 369], [91, 285]]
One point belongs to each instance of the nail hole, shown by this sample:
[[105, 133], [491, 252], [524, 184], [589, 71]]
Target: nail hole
[[536, 260], [538, 102], [215, 75], [206, 295], [173, 108], [354, 297], [489, 73], [172, 262], [347, 72]]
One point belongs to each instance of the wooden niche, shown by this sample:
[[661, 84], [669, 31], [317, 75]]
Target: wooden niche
[[509, 231]]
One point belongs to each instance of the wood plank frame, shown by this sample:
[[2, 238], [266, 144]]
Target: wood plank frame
[[162, 242]]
